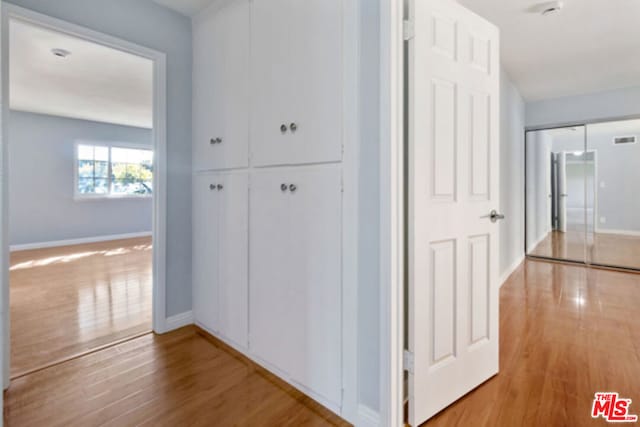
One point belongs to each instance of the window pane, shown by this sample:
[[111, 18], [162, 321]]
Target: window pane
[[85, 186], [102, 153], [85, 168], [101, 186], [85, 152], [102, 170]]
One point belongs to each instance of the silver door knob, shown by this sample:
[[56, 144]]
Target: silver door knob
[[284, 187], [293, 188], [283, 128], [212, 186], [293, 127], [495, 216], [220, 186]]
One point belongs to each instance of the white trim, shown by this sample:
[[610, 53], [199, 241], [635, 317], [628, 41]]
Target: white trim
[[634, 233], [367, 417], [391, 212], [179, 321], [79, 241], [158, 136], [509, 271]]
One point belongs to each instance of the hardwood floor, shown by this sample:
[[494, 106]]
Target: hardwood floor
[[179, 379], [566, 332], [68, 300], [614, 250]]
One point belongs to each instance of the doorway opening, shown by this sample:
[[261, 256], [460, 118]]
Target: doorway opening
[[83, 191]]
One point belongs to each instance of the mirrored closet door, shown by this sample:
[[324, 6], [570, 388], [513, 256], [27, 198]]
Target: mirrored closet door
[[583, 194]]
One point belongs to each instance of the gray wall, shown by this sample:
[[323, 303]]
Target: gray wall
[[41, 181], [148, 24], [512, 114], [584, 108], [539, 147], [369, 240]]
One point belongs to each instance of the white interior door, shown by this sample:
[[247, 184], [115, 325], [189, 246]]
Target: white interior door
[[206, 200], [453, 187], [233, 266], [562, 191]]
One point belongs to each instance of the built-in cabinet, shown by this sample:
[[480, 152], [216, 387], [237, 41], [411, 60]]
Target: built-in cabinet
[[267, 185]]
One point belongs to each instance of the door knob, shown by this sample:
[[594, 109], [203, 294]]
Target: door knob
[[220, 186], [293, 188], [284, 187], [293, 127], [494, 216], [283, 128]]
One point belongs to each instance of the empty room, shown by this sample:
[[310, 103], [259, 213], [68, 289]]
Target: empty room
[[370, 213]]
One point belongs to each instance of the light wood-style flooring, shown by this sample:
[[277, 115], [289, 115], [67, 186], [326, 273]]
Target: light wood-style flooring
[[615, 250], [68, 300], [566, 332]]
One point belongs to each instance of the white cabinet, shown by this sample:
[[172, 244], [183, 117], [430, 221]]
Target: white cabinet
[[295, 273], [220, 250], [296, 79], [221, 87]]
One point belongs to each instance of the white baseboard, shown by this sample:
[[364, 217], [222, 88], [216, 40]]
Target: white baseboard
[[367, 417], [511, 269], [178, 321], [83, 240], [533, 245], [633, 233]]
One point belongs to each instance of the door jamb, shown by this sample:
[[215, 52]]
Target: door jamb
[[159, 138]]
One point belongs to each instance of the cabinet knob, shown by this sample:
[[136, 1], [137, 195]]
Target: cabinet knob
[[213, 141], [218, 140], [283, 187], [283, 128], [212, 186], [220, 186], [293, 188], [293, 127]]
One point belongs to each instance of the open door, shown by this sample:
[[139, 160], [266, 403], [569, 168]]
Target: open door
[[453, 197], [562, 191]]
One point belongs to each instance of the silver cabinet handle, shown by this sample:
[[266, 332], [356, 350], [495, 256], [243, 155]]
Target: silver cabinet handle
[[212, 186], [293, 188], [220, 186], [283, 128], [293, 127], [283, 187]]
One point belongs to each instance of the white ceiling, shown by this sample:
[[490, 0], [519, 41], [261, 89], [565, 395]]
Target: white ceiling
[[93, 83], [185, 7], [590, 46]]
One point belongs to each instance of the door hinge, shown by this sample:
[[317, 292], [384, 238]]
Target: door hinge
[[407, 361], [408, 30]]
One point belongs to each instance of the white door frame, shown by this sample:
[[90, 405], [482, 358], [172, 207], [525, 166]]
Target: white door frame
[[159, 133], [392, 72]]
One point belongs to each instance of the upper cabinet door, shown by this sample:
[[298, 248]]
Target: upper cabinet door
[[296, 81], [221, 87], [233, 257], [206, 202]]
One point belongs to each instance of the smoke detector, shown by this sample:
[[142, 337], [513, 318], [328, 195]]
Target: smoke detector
[[552, 8], [60, 53]]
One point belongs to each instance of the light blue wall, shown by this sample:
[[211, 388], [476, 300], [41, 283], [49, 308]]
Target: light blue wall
[[619, 103], [512, 116], [148, 24], [369, 205], [41, 181]]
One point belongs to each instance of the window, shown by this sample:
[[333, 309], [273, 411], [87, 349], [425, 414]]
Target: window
[[103, 171]]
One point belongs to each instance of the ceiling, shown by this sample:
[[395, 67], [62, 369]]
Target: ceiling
[[590, 46], [185, 7], [94, 82]]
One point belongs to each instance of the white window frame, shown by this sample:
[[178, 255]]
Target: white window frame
[[109, 145]]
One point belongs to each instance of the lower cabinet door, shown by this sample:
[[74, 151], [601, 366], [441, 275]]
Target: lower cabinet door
[[233, 297], [206, 202], [296, 275]]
